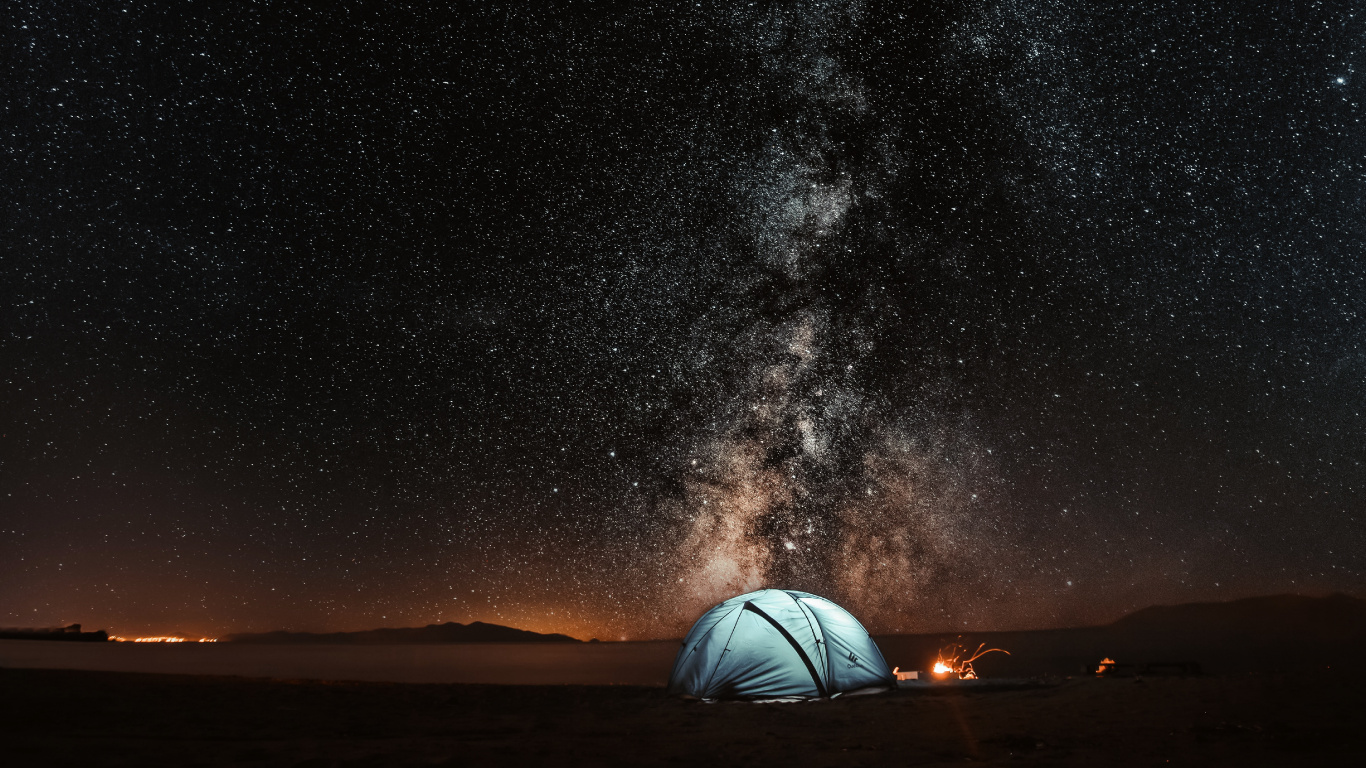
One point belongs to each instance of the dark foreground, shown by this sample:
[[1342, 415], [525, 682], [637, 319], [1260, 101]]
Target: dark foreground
[[57, 717]]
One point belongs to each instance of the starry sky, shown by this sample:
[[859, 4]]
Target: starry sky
[[583, 316]]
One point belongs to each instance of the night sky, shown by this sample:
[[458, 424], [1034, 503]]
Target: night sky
[[583, 316]]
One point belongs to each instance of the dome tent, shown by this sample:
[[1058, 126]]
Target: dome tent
[[777, 643]]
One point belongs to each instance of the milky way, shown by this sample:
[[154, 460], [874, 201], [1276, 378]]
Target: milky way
[[582, 316], [809, 479]]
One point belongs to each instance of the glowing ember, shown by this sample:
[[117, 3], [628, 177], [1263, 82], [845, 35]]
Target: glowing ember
[[955, 665]]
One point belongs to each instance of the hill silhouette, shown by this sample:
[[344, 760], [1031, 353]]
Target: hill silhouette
[[1271, 633], [450, 632], [1272, 617]]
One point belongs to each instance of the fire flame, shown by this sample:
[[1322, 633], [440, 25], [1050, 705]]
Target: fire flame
[[954, 664], [1106, 664]]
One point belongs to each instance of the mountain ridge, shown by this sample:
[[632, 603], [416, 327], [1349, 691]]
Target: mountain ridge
[[432, 634], [1282, 632]]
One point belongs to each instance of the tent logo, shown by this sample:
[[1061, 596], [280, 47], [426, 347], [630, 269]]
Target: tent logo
[[852, 657]]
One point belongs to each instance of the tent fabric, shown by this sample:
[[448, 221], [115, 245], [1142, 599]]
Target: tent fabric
[[777, 643]]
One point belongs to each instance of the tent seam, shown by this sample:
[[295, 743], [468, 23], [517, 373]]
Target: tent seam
[[714, 626], [685, 653], [706, 688], [825, 657], [811, 668]]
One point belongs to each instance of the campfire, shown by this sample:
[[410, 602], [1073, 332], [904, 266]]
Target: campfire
[[952, 665]]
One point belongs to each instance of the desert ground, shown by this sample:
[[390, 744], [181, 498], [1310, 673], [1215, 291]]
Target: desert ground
[[64, 717], [1281, 684]]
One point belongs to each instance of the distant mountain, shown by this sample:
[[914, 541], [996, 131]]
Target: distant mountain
[[1272, 633], [1335, 617], [450, 632]]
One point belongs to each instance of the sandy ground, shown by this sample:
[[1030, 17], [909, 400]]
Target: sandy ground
[[56, 717]]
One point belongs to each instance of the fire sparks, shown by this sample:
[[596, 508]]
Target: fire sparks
[[162, 639], [952, 663]]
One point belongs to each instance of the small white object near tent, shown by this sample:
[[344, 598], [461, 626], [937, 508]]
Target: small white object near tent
[[777, 643]]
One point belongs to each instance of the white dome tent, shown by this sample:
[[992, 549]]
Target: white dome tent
[[777, 643]]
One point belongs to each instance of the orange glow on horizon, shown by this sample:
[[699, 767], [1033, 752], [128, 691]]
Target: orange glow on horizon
[[162, 639]]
